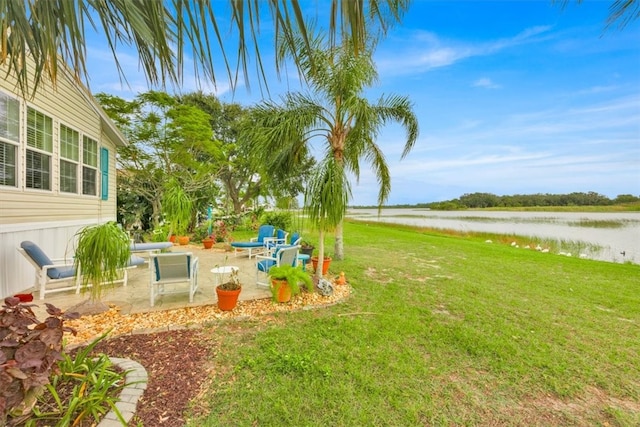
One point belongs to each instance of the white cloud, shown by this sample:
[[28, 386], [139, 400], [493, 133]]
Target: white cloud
[[486, 83], [425, 51]]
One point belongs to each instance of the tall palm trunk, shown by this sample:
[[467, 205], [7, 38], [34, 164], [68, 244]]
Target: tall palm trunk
[[338, 247], [318, 273]]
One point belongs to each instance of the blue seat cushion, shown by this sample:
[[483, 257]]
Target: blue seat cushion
[[41, 259], [150, 246], [247, 244], [61, 272], [265, 265], [294, 238], [135, 261]]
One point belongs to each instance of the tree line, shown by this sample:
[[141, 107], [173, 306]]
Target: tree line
[[488, 200]]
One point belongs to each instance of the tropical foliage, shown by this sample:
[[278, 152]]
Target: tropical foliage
[[166, 33], [167, 139], [336, 113], [102, 252]]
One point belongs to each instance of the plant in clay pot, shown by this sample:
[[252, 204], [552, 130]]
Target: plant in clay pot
[[178, 208], [229, 291], [207, 242], [285, 282], [325, 263], [306, 248]]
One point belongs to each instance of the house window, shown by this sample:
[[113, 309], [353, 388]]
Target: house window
[[39, 150], [89, 166], [69, 157], [9, 139]]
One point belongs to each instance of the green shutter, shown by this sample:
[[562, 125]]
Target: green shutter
[[104, 170]]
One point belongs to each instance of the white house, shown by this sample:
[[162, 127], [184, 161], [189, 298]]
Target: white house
[[57, 172]]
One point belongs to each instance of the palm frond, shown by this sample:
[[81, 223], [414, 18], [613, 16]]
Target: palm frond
[[165, 33]]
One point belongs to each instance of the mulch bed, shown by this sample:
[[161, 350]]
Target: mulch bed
[[176, 363], [173, 349]]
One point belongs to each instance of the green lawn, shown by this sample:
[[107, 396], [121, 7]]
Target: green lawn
[[440, 330]]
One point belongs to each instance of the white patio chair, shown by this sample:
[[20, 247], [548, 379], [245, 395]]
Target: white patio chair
[[170, 269], [282, 255], [57, 275]]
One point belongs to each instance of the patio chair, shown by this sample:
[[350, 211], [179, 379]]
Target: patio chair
[[170, 269], [296, 238], [52, 273], [256, 245], [270, 243], [283, 255], [149, 248]]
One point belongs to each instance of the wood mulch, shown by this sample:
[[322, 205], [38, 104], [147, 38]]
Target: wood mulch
[[173, 349]]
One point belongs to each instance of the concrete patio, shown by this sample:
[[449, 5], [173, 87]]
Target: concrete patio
[[134, 298]]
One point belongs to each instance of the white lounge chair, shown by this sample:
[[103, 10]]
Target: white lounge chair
[[58, 275]]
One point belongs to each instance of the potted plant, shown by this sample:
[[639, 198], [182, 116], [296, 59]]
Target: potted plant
[[229, 291], [203, 233], [306, 248], [325, 263], [102, 252], [285, 282], [178, 207], [207, 242]]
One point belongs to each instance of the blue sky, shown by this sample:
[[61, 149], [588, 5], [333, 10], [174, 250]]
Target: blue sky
[[512, 97]]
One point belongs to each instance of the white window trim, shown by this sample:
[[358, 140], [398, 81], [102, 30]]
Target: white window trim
[[17, 145]]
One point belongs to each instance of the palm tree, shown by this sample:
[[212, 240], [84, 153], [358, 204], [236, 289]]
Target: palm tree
[[52, 33], [336, 113]]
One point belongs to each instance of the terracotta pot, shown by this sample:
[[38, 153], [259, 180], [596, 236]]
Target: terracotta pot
[[208, 243], [183, 240], [283, 290], [325, 264], [172, 238], [227, 300]]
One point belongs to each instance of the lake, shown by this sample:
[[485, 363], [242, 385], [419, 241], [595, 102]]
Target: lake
[[606, 236]]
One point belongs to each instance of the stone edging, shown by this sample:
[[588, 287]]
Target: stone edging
[[135, 384]]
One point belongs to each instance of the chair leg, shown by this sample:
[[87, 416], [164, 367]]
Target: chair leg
[[43, 285]]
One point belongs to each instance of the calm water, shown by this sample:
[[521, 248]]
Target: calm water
[[574, 228]]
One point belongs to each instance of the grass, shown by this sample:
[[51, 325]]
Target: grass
[[441, 330]]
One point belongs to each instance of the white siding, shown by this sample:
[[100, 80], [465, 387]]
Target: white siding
[[51, 218]]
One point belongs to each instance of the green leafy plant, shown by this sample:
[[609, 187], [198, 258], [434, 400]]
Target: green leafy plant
[[177, 207], [94, 386], [29, 350], [279, 219], [202, 232], [102, 252], [292, 275]]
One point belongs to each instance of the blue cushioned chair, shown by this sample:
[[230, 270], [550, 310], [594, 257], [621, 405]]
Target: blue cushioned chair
[[285, 254], [256, 245], [296, 238], [52, 272], [280, 238]]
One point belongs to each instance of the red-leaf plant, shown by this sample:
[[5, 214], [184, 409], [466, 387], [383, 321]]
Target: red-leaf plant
[[28, 356]]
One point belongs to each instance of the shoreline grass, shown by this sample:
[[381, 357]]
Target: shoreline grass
[[440, 330]]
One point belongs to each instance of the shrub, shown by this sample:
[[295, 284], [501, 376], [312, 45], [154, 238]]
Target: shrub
[[279, 219], [28, 356]]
